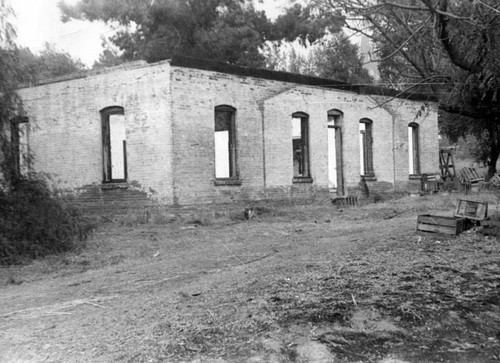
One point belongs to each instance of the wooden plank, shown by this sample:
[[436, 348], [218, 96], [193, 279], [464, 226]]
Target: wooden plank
[[490, 223], [435, 235], [470, 175], [437, 229], [437, 220], [471, 209]]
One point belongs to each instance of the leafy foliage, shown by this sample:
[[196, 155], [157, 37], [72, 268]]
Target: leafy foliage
[[338, 58], [333, 57], [35, 224], [225, 30], [109, 57], [306, 24], [448, 48], [49, 63], [10, 103]]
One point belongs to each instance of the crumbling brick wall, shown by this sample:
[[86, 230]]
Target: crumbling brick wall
[[66, 132], [169, 115]]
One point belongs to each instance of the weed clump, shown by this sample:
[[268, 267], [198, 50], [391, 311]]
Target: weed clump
[[34, 223]]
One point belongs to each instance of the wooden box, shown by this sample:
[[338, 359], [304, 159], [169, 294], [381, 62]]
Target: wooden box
[[441, 226], [472, 209], [490, 227], [467, 214]]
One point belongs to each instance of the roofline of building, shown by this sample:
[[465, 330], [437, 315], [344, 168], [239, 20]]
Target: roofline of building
[[210, 65], [88, 73], [215, 66]]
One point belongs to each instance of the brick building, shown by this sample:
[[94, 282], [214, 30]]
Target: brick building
[[187, 131]]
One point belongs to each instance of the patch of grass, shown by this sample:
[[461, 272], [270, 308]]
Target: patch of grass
[[146, 216], [135, 217]]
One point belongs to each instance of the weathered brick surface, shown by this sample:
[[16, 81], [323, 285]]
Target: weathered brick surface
[[169, 113], [65, 131]]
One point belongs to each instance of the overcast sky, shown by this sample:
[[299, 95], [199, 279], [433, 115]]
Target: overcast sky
[[38, 22]]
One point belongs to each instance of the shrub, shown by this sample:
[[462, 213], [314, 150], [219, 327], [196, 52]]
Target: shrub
[[34, 223]]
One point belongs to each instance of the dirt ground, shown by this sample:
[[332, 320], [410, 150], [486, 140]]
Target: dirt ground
[[297, 283]]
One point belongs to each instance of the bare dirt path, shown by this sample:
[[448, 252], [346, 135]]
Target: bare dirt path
[[296, 283]]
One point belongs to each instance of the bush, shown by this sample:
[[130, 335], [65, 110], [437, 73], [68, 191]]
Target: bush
[[33, 223]]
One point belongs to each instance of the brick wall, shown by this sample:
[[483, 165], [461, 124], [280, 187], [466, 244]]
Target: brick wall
[[65, 132], [169, 114], [316, 102], [195, 93], [263, 124]]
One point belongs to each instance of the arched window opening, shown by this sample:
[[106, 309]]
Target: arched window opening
[[19, 145], [300, 145], [334, 134], [225, 143], [414, 149], [114, 144], [366, 147]]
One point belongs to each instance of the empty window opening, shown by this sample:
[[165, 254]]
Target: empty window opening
[[334, 133], [19, 144], [300, 145], [114, 144], [225, 143], [366, 147], [414, 149]]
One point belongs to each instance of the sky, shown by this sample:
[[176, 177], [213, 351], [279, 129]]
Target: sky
[[39, 21]]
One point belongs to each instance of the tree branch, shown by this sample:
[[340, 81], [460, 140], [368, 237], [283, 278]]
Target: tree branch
[[442, 32], [395, 45], [418, 8]]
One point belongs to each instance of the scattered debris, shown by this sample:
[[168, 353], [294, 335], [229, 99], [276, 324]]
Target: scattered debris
[[347, 201], [491, 226], [467, 214]]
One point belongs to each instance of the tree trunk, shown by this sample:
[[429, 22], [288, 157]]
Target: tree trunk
[[492, 165]]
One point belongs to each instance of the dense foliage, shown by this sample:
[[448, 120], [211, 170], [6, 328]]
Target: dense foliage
[[226, 30], [10, 103], [35, 223], [447, 48], [334, 57], [48, 63]]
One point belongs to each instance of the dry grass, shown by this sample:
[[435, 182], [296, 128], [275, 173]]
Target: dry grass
[[358, 281]]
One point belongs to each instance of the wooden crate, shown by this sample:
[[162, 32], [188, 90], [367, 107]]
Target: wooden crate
[[490, 227], [441, 226], [471, 209]]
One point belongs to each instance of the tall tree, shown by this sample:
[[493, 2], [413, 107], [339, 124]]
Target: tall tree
[[31, 68], [225, 30], [449, 48], [337, 58], [333, 57], [10, 103], [155, 30]]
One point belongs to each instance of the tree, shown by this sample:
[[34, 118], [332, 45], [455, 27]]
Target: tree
[[448, 48], [10, 103], [337, 58], [305, 23], [156, 30], [291, 57], [333, 57], [225, 30], [33, 222], [50, 63], [110, 55]]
